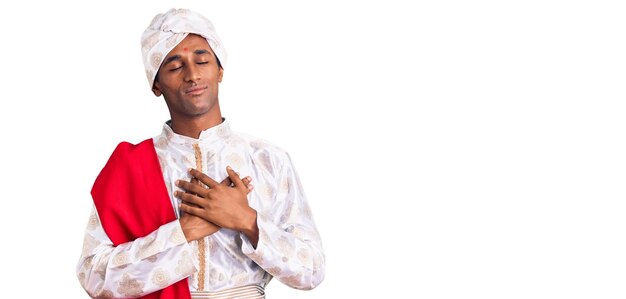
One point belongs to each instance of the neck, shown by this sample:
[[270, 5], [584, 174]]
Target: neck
[[193, 126]]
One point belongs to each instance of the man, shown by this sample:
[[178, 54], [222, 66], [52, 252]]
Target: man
[[171, 218]]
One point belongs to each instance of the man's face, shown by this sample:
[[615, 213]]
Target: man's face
[[188, 78]]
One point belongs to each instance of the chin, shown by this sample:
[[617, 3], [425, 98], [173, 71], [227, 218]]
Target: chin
[[196, 112], [196, 105]]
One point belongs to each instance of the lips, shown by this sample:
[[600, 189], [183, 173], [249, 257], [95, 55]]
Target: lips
[[194, 91]]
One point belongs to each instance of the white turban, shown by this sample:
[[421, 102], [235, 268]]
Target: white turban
[[167, 30]]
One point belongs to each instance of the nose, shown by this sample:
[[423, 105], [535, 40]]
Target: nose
[[192, 73]]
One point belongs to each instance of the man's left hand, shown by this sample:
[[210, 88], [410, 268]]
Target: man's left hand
[[225, 206]]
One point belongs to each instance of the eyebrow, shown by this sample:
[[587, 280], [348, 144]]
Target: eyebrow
[[177, 57], [201, 51], [170, 59]]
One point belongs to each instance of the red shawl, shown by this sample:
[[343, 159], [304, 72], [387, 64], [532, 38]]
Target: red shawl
[[132, 201]]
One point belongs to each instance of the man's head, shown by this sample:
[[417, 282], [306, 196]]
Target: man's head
[[183, 58], [167, 30]]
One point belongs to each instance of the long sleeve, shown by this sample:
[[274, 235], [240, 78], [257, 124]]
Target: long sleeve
[[135, 268], [289, 246]]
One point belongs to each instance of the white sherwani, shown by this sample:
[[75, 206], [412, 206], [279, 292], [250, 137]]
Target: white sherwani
[[289, 246]]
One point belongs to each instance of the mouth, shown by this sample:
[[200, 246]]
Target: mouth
[[195, 91]]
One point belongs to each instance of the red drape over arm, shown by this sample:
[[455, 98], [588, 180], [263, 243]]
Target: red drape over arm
[[132, 201]]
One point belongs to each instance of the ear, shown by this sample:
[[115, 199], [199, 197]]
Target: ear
[[219, 75], [156, 89]]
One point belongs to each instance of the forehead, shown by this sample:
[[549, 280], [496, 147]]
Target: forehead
[[189, 44]]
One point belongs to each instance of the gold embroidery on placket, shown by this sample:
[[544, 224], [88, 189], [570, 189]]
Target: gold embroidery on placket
[[201, 245]]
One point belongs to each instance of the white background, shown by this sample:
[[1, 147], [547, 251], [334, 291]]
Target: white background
[[449, 149]]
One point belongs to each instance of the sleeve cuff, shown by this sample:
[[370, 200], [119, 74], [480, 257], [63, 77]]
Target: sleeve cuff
[[189, 255], [177, 237], [246, 246]]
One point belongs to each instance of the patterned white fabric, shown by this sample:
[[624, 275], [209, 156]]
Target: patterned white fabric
[[289, 246], [167, 30], [247, 292]]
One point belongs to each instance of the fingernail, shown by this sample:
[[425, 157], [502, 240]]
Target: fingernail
[[229, 168], [177, 182], [190, 169]]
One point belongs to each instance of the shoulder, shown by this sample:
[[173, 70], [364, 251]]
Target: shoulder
[[126, 147], [257, 143], [126, 150], [260, 147], [128, 157]]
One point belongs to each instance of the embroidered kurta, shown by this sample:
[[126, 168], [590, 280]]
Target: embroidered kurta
[[289, 247]]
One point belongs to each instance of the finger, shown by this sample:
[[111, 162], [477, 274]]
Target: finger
[[203, 178], [191, 187], [190, 204], [191, 209], [196, 182], [234, 177], [190, 198], [247, 181], [226, 182]]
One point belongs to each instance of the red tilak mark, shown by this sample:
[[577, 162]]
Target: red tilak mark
[[184, 49]]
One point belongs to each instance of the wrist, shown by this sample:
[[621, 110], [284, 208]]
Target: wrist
[[190, 232], [251, 229]]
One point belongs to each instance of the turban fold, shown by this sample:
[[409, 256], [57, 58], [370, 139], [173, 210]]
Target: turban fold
[[167, 30]]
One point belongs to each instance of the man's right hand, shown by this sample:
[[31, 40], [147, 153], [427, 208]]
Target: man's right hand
[[196, 228]]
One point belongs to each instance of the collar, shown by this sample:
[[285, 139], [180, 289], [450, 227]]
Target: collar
[[207, 136]]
